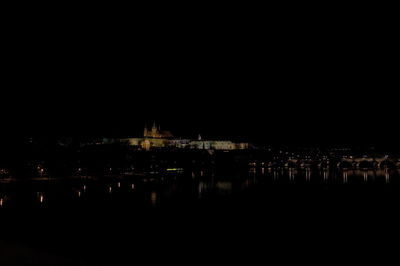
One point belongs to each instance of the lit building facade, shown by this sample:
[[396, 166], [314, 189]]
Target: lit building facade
[[154, 138], [155, 132]]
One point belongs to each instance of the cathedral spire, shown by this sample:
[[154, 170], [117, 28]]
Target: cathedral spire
[[154, 132]]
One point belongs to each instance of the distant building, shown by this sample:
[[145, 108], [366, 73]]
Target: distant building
[[155, 132], [218, 145], [154, 138]]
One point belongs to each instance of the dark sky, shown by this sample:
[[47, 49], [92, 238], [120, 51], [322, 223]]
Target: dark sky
[[275, 81]]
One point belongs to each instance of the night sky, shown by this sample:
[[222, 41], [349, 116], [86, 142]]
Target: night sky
[[278, 83]]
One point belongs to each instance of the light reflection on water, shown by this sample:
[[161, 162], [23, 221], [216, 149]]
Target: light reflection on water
[[326, 174], [40, 197], [157, 190], [308, 174], [345, 177], [153, 198]]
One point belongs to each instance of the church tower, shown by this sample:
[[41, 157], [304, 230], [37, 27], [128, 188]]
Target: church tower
[[154, 130]]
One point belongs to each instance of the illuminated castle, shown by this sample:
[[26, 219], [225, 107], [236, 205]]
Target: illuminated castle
[[155, 132], [155, 138]]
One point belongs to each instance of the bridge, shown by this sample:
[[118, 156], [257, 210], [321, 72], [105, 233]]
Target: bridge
[[368, 162], [343, 162]]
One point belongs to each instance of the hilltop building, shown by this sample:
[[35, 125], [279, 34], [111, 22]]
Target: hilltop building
[[155, 138], [155, 132]]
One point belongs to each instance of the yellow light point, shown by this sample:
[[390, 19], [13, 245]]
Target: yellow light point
[[110, 189], [41, 198], [1, 202], [119, 184], [133, 186], [153, 198], [174, 169]]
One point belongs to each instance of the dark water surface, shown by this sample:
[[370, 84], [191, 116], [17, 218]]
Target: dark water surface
[[204, 217]]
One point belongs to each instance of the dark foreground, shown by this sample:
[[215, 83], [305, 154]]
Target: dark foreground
[[202, 218]]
